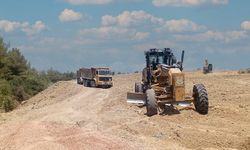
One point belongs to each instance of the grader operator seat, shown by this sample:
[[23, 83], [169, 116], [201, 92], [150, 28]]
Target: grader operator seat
[[154, 64]]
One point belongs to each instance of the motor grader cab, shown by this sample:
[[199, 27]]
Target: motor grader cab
[[163, 83]]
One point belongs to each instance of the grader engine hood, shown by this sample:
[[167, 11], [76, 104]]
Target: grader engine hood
[[178, 83]]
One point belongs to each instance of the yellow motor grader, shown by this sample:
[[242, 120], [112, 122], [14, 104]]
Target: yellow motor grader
[[163, 83]]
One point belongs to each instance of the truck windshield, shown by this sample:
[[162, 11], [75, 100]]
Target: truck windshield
[[104, 72]]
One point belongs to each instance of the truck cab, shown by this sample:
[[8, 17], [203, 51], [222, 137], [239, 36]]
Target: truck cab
[[103, 77], [95, 77]]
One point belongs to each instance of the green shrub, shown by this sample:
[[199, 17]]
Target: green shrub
[[55, 76], [8, 104], [6, 101]]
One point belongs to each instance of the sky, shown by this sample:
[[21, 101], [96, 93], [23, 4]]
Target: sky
[[68, 34]]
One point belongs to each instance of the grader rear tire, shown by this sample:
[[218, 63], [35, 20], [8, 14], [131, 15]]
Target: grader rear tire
[[151, 104], [200, 99]]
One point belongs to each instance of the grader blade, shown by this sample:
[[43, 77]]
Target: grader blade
[[136, 98]]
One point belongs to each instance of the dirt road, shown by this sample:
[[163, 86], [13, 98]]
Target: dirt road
[[70, 116]]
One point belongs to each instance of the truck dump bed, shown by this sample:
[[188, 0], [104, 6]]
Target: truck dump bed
[[86, 73]]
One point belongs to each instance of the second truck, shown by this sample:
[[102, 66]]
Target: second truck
[[95, 77]]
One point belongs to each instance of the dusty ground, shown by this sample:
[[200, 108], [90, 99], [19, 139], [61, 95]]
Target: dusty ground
[[70, 116]]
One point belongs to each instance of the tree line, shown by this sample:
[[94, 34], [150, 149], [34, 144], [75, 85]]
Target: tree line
[[19, 81]]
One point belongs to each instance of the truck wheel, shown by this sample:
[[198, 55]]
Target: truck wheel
[[151, 104], [88, 83], [200, 98], [80, 81], [85, 83], [138, 87], [92, 84]]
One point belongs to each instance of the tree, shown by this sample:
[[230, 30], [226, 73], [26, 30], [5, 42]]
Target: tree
[[3, 53], [18, 81], [16, 64]]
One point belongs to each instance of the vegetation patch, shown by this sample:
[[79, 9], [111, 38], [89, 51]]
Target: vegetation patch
[[19, 81]]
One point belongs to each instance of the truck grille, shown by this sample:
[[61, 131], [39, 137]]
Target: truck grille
[[104, 78]]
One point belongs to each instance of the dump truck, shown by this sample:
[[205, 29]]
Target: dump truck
[[207, 68], [163, 85], [95, 77]]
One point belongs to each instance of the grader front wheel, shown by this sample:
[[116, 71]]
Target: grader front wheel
[[200, 99], [151, 104]]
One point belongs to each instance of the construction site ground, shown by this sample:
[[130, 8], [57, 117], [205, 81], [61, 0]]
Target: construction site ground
[[71, 116]]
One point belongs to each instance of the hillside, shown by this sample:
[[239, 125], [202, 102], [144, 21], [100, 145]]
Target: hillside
[[70, 116]]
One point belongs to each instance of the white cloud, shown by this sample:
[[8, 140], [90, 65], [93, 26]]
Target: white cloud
[[108, 20], [188, 3], [114, 33], [141, 35], [82, 2], [68, 15], [181, 25], [213, 35], [98, 2], [132, 18], [10, 26], [136, 25], [143, 19], [84, 41], [245, 25], [104, 32], [219, 2], [36, 28]]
